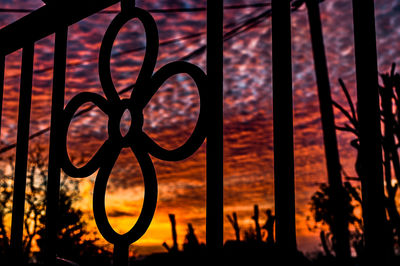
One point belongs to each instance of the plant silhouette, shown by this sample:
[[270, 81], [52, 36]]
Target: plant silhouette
[[234, 222], [321, 208], [389, 93], [72, 242], [269, 226]]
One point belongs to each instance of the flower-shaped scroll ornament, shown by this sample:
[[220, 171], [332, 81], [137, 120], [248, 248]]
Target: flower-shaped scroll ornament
[[141, 144]]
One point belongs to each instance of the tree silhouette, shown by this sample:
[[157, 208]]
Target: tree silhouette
[[5, 210], [191, 244], [321, 207], [73, 242], [72, 232], [34, 200], [389, 92]]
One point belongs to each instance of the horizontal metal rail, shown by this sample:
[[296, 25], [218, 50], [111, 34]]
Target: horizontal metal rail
[[46, 20]]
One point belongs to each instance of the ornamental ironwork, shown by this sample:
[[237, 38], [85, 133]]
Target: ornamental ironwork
[[146, 85]]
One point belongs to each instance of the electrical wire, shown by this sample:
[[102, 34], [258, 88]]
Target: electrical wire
[[241, 28], [161, 10]]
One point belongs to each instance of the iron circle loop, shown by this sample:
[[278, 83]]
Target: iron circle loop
[[135, 129], [149, 201], [150, 56], [70, 110], [199, 133]]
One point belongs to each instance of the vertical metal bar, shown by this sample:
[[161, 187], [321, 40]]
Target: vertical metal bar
[[2, 69], [21, 153], [370, 132], [340, 224], [53, 185], [121, 254], [214, 216], [127, 4], [283, 126]]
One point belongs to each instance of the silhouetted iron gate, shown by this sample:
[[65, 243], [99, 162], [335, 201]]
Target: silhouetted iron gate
[[61, 14]]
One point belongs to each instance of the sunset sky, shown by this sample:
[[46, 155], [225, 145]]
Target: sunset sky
[[170, 116]]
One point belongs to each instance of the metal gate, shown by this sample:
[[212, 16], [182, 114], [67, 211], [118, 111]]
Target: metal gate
[[35, 26]]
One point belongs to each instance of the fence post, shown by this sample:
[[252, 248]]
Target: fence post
[[370, 132], [214, 216], [340, 224], [283, 127], [53, 185], [21, 156], [2, 70]]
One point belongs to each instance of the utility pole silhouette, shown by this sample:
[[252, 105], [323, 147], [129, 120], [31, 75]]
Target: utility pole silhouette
[[340, 224]]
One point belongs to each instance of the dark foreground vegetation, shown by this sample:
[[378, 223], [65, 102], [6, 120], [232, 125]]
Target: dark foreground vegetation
[[252, 245]]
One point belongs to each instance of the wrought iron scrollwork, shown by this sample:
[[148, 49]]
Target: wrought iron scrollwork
[[139, 142]]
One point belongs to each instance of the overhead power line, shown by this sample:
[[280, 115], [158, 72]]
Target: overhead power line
[[242, 27], [160, 10], [133, 50]]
